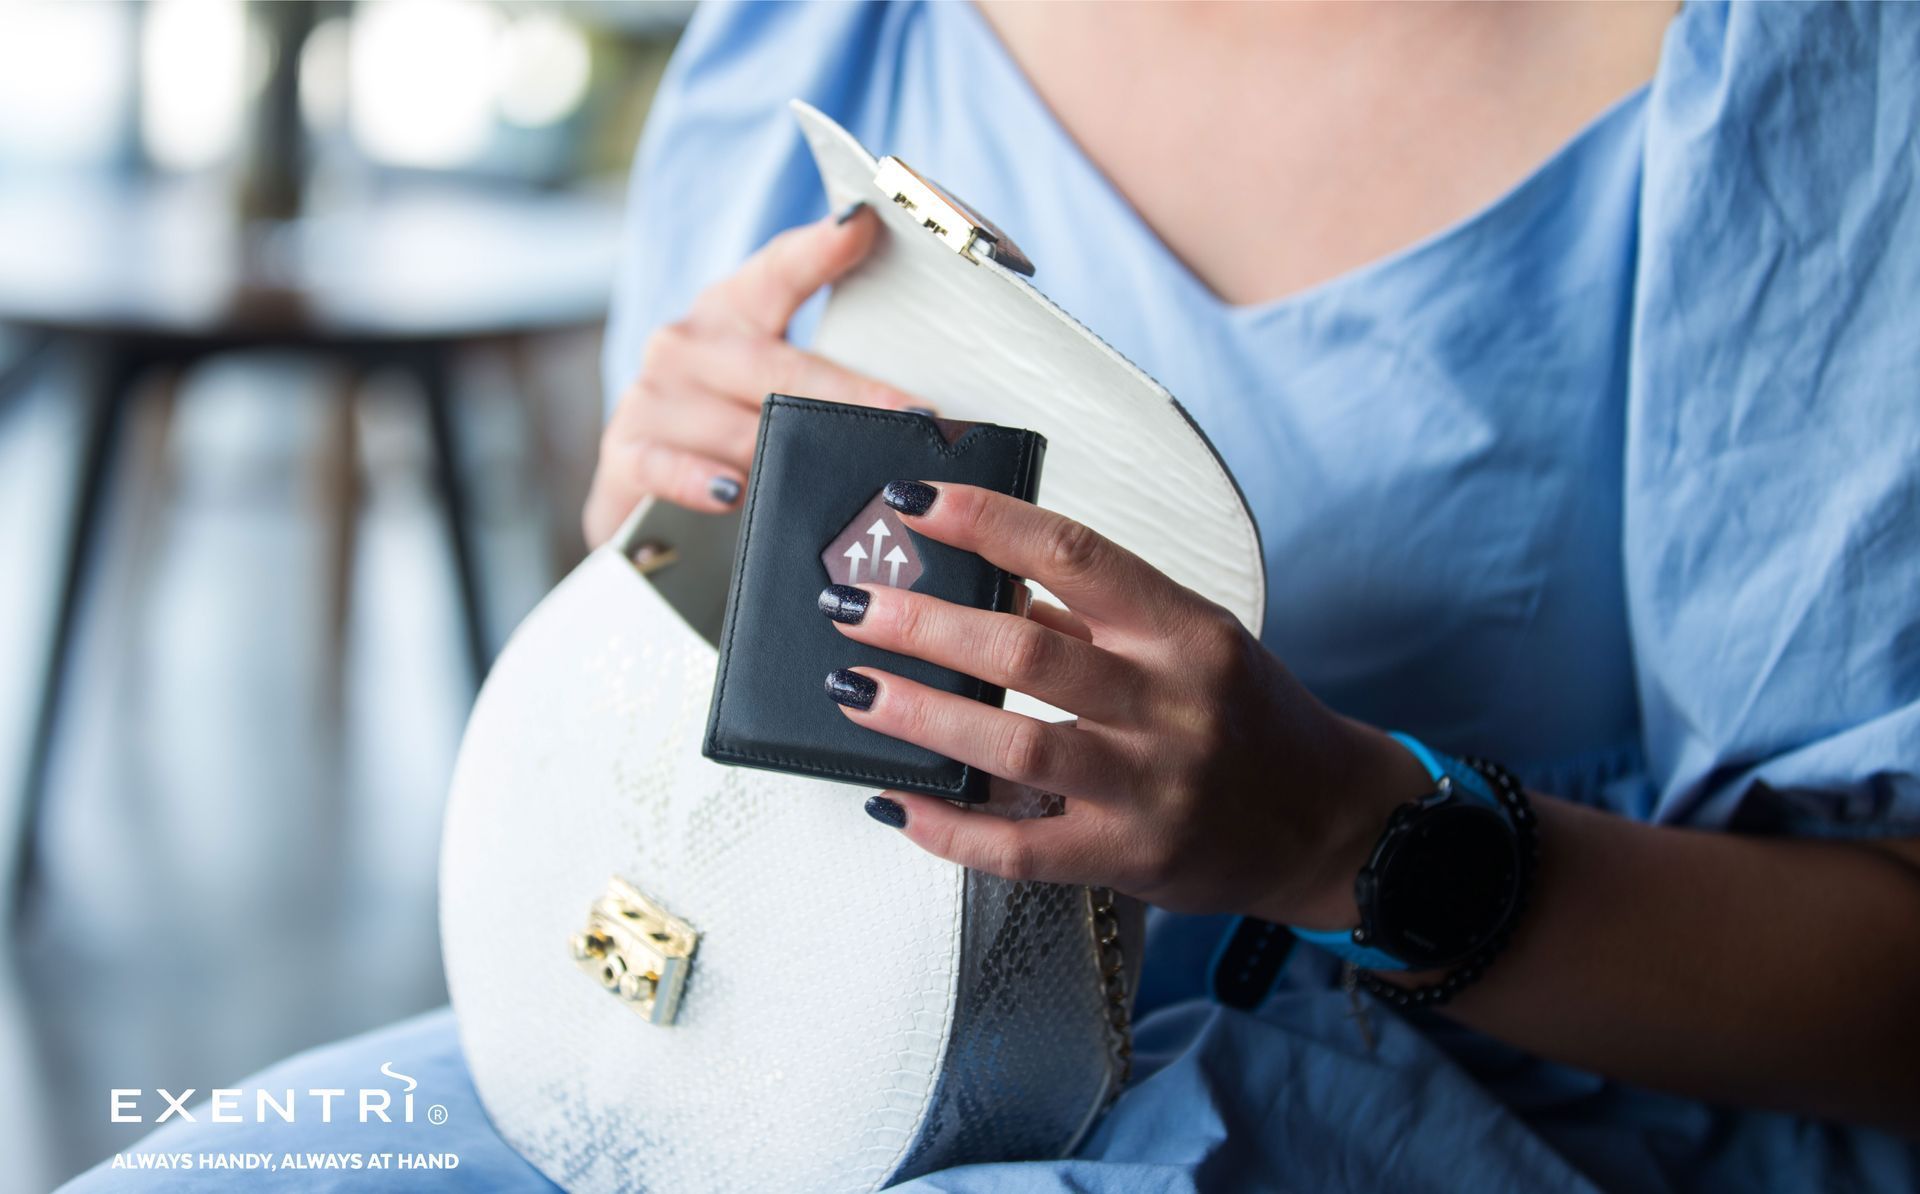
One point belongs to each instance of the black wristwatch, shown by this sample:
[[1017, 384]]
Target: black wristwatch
[[1446, 881], [1442, 890]]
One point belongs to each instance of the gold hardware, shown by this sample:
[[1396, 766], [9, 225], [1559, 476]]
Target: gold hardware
[[637, 950], [958, 226]]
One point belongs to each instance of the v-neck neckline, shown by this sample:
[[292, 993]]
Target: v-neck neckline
[[1043, 117]]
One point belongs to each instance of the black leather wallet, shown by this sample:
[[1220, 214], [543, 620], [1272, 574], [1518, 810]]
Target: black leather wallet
[[813, 517]]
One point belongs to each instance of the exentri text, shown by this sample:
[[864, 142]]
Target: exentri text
[[228, 1105]]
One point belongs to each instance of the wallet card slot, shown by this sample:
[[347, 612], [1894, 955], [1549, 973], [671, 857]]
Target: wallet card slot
[[692, 578]]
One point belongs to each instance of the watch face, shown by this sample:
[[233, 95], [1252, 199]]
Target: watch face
[[1444, 884]]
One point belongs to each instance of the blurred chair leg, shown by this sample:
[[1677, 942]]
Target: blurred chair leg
[[22, 1057], [337, 480], [118, 369], [336, 491], [435, 373], [145, 435]]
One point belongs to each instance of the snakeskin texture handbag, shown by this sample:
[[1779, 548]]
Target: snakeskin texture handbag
[[671, 975]]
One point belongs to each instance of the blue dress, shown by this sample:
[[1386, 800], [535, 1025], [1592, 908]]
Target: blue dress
[[1616, 481]]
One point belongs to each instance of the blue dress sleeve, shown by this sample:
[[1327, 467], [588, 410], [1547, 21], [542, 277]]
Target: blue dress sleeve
[[722, 166], [1772, 484]]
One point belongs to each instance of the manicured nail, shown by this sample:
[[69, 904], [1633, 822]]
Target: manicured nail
[[909, 497], [844, 603], [724, 490], [919, 410], [852, 689], [887, 812], [849, 211]]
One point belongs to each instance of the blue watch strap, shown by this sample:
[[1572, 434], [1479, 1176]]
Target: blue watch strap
[[1418, 749], [1339, 943], [1445, 767], [1245, 963]]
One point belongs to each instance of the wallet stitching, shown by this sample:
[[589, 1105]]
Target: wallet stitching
[[715, 744]]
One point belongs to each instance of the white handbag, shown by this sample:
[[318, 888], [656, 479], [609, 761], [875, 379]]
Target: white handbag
[[672, 975]]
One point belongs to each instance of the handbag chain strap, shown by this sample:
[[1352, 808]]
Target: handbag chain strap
[[1111, 958]]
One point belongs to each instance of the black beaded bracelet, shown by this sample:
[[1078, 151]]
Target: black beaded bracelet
[[1513, 798]]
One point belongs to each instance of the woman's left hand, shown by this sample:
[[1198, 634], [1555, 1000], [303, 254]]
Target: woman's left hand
[[1200, 775]]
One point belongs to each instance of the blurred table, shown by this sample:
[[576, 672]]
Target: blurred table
[[416, 264], [140, 277]]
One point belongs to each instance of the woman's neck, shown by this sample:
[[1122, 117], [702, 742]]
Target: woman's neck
[[1275, 146]]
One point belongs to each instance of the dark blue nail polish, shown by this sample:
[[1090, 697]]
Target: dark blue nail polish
[[849, 211], [844, 603], [852, 689], [926, 411], [724, 490], [887, 812], [909, 497]]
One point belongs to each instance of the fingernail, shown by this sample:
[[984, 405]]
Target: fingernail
[[852, 689], [909, 497], [849, 211], [919, 410], [844, 603], [724, 490], [887, 812]]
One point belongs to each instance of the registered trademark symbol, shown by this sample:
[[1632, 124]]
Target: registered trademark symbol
[[436, 1114]]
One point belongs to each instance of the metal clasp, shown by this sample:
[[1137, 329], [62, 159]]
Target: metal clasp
[[637, 950], [958, 226]]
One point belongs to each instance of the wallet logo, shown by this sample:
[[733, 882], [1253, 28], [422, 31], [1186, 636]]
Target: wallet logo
[[873, 549]]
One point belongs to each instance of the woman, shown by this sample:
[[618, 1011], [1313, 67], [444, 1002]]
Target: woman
[[1562, 354]]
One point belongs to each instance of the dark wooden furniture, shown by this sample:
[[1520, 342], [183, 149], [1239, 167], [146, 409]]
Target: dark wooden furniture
[[138, 278]]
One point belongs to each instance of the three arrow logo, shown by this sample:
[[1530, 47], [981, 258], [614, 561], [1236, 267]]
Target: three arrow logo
[[872, 539]]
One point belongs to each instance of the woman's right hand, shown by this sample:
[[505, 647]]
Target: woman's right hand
[[684, 429]]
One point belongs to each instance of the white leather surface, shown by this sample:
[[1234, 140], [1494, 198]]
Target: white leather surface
[[853, 1001], [815, 1012], [979, 342]]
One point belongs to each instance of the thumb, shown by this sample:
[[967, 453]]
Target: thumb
[[764, 293]]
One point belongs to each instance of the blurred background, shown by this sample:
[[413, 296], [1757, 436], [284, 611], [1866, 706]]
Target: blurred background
[[299, 308]]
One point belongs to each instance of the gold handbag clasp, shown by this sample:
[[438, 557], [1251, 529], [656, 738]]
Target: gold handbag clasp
[[637, 950], [940, 212]]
